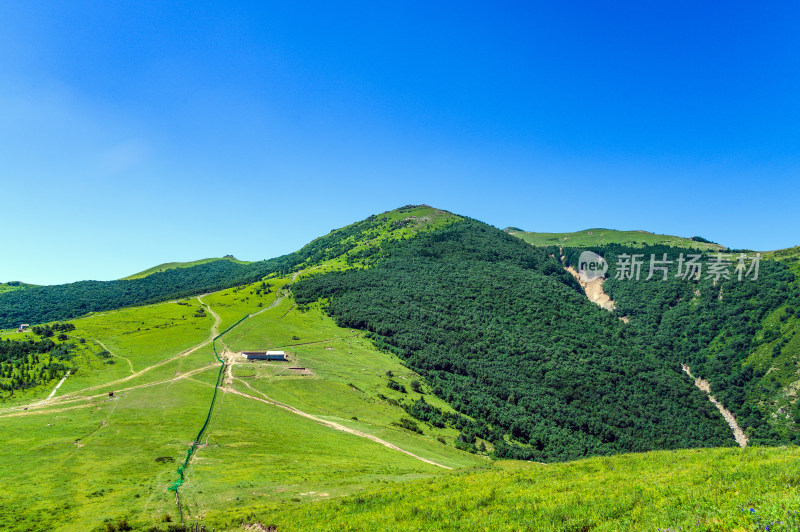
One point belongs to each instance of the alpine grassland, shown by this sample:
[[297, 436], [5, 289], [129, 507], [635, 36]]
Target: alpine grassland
[[122, 429], [100, 453]]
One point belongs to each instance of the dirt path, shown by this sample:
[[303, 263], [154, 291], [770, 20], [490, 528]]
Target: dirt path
[[214, 328], [738, 433], [57, 387], [273, 305], [41, 408], [115, 356], [278, 299], [217, 319], [327, 423]]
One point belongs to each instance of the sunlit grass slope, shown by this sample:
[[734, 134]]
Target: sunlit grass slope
[[86, 459], [705, 489]]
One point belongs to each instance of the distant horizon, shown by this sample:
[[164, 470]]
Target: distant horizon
[[134, 133]]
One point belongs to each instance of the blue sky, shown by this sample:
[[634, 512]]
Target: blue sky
[[139, 133]]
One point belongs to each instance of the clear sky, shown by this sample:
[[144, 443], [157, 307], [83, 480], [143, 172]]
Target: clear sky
[[135, 133]]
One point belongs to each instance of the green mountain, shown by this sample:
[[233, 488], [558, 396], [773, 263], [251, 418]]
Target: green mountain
[[425, 350], [175, 265], [340, 248], [600, 236]]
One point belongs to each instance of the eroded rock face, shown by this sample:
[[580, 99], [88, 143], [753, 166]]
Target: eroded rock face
[[594, 290], [704, 385]]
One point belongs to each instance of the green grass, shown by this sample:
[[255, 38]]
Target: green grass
[[85, 458], [233, 303], [261, 452], [599, 237], [75, 468], [707, 489], [174, 265]]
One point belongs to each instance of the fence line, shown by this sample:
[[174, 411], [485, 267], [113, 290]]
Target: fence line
[[190, 452]]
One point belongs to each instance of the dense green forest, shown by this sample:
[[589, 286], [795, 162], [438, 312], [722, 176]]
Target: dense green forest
[[713, 325], [58, 302], [505, 335]]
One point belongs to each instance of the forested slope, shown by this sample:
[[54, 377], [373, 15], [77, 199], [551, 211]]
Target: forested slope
[[505, 335], [738, 334], [49, 303]]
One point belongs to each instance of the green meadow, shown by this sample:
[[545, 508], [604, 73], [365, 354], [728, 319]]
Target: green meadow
[[89, 461], [104, 449]]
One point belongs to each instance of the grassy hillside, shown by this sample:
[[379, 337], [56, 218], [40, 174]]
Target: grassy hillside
[[708, 489], [175, 265], [789, 256], [599, 237], [93, 460]]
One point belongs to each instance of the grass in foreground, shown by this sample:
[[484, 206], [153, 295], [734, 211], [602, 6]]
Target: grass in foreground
[[704, 489]]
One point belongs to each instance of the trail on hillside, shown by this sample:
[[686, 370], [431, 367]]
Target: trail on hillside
[[217, 319], [704, 385], [278, 298], [273, 305], [41, 408], [213, 333], [60, 404], [74, 396], [57, 387], [110, 352], [331, 424]]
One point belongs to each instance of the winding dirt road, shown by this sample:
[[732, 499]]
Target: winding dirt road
[[110, 352], [327, 423]]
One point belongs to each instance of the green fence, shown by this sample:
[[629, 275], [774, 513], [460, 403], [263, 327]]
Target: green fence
[[182, 469]]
